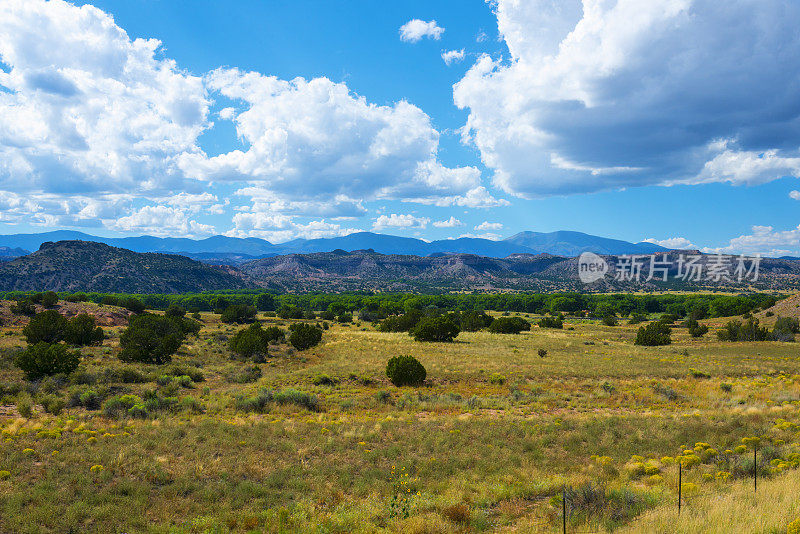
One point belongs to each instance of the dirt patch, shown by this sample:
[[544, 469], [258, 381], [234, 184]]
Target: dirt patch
[[104, 315]]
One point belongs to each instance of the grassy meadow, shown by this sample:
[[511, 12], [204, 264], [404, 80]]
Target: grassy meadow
[[488, 444]]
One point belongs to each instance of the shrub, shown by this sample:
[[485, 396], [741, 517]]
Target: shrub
[[23, 307], [124, 405], [53, 404], [405, 371], [551, 322], [49, 299], [257, 403], [431, 329], [653, 335], [251, 342], [48, 327], [542, 353], [298, 398], [90, 400], [472, 321], [81, 331], [749, 331], [133, 304], [239, 314], [305, 336], [696, 373], [245, 376], [696, 329], [509, 325], [325, 380], [174, 311], [25, 405], [400, 323], [150, 339], [76, 297], [45, 359], [726, 387], [785, 328], [610, 320]]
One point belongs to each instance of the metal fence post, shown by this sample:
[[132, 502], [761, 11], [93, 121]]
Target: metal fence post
[[755, 469], [564, 509], [680, 485]]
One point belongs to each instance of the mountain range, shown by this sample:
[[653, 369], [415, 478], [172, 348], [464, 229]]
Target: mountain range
[[89, 266], [234, 251]]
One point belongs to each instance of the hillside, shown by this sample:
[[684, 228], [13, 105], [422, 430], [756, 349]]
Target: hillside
[[367, 269], [87, 266]]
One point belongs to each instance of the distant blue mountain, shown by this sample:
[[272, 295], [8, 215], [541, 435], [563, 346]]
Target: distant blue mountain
[[566, 243], [233, 249]]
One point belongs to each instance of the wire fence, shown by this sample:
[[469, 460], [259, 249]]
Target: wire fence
[[568, 508]]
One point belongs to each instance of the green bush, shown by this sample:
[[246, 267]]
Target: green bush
[[24, 404], [150, 339], [52, 404], [298, 398], [45, 359], [48, 326], [251, 342], [305, 336], [653, 335], [405, 371], [81, 331], [472, 321], [432, 329], [245, 376], [23, 307], [400, 323], [785, 328], [90, 399], [175, 311], [238, 313], [124, 405], [748, 331], [133, 304], [696, 329], [509, 325], [610, 320], [49, 299], [551, 322]]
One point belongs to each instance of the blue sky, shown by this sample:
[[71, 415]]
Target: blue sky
[[675, 121]]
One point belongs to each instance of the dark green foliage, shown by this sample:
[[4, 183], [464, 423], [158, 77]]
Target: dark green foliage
[[785, 328], [405, 371], [431, 329], [637, 318], [81, 331], [290, 312], [551, 322], [49, 299], [748, 331], [401, 323], [610, 320], [239, 314], [124, 405], [251, 342], [305, 336], [696, 373], [76, 297], [150, 339], [45, 359], [509, 325], [133, 304], [344, 318], [653, 335], [696, 329], [264, 302], [53, 404], [175, 311], [48, 326], [472, 321], [265, 397], [23, 307], [273, 334], [325, 380], [186, 325]]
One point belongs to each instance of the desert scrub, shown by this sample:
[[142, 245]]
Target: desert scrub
[[261, 402], [405, 371]]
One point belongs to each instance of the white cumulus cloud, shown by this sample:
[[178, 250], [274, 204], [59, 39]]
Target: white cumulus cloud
[[486, 225], [609, 94], [452, 222], [453, 56], [672, 243], [402, 221], [415, 30]]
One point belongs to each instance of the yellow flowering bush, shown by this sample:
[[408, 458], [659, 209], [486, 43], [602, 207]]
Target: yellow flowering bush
[[96, 468], [4, 475], [793, 527]]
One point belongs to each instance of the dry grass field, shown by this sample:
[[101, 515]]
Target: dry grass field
[[487, 444]]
